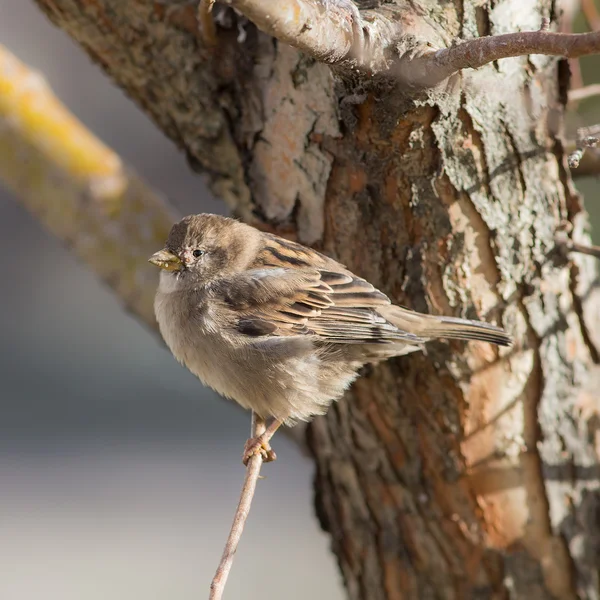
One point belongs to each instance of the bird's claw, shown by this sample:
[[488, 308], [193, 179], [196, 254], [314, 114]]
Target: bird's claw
[[254, 447]]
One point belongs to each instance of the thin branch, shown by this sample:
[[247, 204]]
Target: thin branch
[[589, 131], [581, 249], [478, 52], [588, 7], [587, 138], [582, 93], [567, 244], [334, 31], [78, 188], [589, 165], [583, 157], [433, 68], [217, 586]]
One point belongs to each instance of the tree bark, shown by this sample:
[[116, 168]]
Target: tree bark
[[466, 472]]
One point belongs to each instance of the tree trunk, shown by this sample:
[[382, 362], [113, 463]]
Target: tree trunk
[[467, 472]]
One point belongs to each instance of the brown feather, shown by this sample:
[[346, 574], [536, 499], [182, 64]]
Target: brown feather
[[279, 327]]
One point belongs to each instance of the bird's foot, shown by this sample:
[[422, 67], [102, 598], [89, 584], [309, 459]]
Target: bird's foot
[[256, 446]]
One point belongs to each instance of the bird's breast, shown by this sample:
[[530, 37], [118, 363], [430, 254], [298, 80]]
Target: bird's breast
[[194, 337]]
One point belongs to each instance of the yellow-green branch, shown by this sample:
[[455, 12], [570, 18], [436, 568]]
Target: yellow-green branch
[[78, 188]]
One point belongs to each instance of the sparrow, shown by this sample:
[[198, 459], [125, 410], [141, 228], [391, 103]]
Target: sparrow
[[279, 327]]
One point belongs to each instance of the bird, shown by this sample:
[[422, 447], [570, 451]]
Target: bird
[[277, 326]]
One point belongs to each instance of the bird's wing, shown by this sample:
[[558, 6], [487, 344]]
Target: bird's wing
[[333, 305]]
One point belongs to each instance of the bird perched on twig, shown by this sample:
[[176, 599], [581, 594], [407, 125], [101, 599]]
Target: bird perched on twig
[[279, 327]]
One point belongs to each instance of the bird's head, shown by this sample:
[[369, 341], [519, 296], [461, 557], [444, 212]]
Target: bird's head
[[201, 248]]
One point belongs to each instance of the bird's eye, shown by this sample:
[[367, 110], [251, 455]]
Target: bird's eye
[[198, 253]]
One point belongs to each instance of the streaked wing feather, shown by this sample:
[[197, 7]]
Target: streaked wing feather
[[360, 331], [292, 290], [335, 306], [335, 278]]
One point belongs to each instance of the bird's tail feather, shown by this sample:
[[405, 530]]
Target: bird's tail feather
[[431, 327]]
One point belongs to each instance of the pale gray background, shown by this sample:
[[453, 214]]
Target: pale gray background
[[119, 473]]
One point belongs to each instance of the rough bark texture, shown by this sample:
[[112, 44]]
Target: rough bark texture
[[469, 472]]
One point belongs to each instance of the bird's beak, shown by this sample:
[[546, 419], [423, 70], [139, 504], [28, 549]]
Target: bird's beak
[[166, 260]]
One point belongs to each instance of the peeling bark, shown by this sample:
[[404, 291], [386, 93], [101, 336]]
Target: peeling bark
[[469, 472]]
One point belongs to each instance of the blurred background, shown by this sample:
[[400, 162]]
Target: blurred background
[[119, 473]]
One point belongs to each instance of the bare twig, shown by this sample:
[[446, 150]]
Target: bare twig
[[588, 7], [589, 250], [217, 586], [563, 240], [435, 67], [588, 131], [587, 138], [334, 31], [582, 93], [589, 166]]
